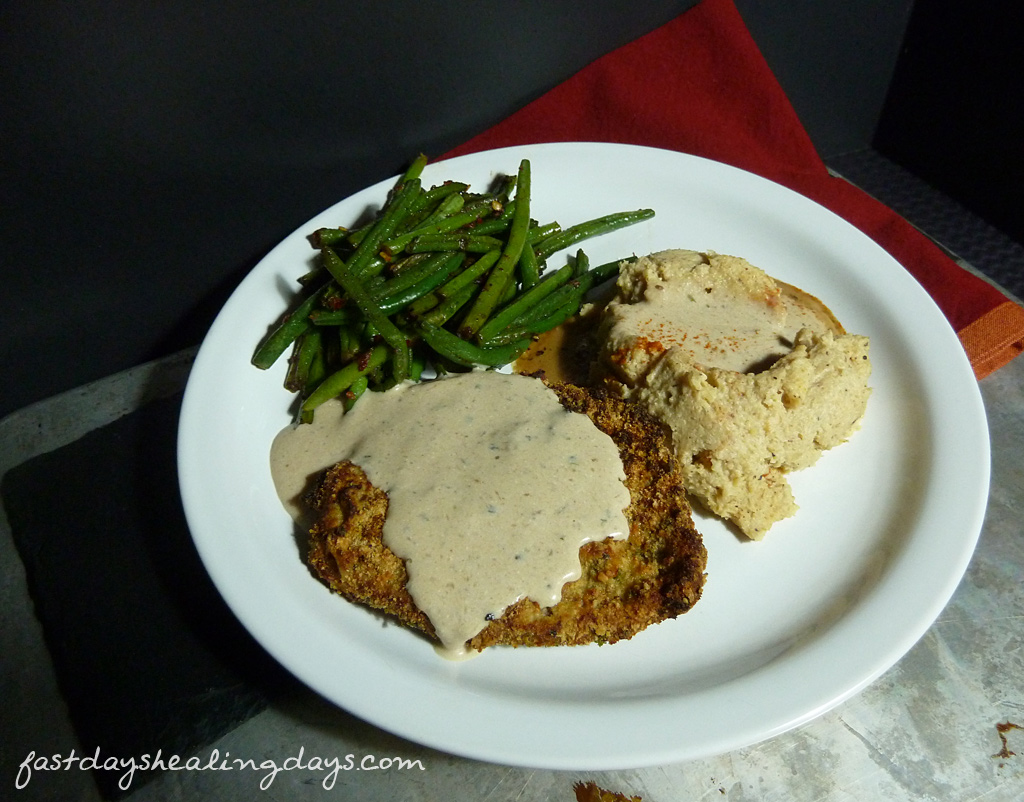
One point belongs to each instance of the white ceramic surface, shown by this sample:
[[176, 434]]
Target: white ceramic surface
[[787, 628]]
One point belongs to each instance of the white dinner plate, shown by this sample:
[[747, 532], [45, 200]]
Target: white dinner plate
[[787, 628]]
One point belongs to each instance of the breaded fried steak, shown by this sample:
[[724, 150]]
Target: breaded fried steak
[[626, 585]]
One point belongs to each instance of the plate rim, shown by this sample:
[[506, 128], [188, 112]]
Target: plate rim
[[617, 756]]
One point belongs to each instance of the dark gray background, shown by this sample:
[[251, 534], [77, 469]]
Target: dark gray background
[[153, 153]]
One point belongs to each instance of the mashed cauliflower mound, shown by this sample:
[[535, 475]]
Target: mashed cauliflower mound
[[753, 381]]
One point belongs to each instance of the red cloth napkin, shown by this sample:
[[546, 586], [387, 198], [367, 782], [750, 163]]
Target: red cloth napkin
[[700, 85]]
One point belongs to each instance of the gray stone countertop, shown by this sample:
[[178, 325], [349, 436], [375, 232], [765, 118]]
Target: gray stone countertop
[[942, 724], [928, 729]]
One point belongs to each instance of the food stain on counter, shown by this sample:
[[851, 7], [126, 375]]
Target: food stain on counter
[[1003, 728]]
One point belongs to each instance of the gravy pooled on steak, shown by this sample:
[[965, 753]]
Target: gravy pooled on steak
[[625, 585], [493, 487], [754, 379]]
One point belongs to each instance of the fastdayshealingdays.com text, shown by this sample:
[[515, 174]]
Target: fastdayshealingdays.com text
[[267, 769]]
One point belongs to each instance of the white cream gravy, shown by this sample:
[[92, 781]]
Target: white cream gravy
[[726, 314], [493, 488]]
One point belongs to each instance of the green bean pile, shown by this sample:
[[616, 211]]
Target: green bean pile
[[440, 278]]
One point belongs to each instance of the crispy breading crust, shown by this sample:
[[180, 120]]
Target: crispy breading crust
[[626, 585]]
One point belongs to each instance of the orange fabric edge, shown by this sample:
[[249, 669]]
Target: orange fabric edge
[[994, 339]]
